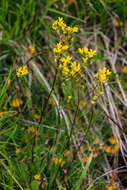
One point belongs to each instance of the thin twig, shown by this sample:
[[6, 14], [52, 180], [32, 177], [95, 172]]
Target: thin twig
[[41, 117]]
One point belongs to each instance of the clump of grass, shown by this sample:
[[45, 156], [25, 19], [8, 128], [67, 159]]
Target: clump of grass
[[60, 124]]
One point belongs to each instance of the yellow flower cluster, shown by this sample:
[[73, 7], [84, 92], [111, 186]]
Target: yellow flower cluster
[[58, 161], [87, 54], [110, 187], [102, 75], [60, 48], [60, 27], [31, 49], [125, 69], [18, 150], [112, 149], [16, 103], [38, 178], [21, 71], [117, 23], [67, 66]]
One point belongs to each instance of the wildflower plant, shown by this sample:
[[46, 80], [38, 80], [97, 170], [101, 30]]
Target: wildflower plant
[[69, 67], [21, 71], [53, 135]]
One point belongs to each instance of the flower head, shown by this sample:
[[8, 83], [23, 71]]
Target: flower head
[[112, 140], [31, 49], [37, 177], [16, 103], [21, 71]]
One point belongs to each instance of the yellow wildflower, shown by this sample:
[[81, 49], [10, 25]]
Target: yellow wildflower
[[31, 130], [80, 50], [31, 49], [110, 187], [83, 103], [36, 115], [125, 69], [85, 59], [60, 161], [102, 74], [112, 140], [85, 49], [108, 149], [69, 98], [21, 71], [92, 102], [75, 68], [18, 151], [16, 103], [37, 177], [65, 47], [43, 185], [96, 141], [115, 149], [75, 29], [91, 53], [115, 23], [66, 60]]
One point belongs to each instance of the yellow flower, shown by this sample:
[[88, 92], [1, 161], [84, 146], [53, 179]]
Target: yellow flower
[[115, 23], [18, 151], [75, 68], [125, 69], [43, 185], [65, 47], [37, 177], [80, 50], [21, 71], [69, 98], [115, 148], [102, 74], [92, 102], [66, 60], [16, 103], [31, 49], [31, 130], [85, 49], [110, 187], [85, 59], [96, 141], [112, 140], [91, 53], [108, 149], [75, 29], [60, 161], [83, 103]]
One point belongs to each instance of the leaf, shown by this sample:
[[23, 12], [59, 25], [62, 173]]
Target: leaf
[[34, 185]]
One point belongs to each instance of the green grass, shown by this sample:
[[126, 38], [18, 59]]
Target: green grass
[[60, 126]]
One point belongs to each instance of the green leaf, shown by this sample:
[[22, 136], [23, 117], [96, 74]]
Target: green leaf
[[34, 185]]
